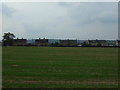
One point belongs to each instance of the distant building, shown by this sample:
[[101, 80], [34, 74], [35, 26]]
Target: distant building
[[53, 41], [111, 43], [68, 42], [97, 42], [81, 42], [41, 42], [20, 42], [117, 42], [31, 42]]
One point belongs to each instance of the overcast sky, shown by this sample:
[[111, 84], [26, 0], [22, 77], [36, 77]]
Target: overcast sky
[[61, 20]]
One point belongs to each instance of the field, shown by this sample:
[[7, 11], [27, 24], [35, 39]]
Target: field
[[60, 67]]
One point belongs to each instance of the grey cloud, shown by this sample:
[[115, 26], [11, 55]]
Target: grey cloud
[[66, 4], [64, 20], [87, 13], [62, 4], [8, 11]]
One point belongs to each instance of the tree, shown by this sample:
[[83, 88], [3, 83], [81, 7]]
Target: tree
[[8, 39]]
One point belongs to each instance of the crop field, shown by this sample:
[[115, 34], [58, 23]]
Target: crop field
[[59, 67]]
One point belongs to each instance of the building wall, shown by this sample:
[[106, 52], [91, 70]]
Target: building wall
[[97, 42], [110, 43], [68, 42], [31, 42], [41, 42], [19, 42]]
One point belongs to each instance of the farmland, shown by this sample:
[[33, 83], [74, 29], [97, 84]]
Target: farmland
[[59, 67]]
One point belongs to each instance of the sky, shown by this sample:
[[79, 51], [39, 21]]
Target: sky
[[61, 20]]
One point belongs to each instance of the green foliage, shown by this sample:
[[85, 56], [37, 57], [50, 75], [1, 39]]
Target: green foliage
[[8, 39]]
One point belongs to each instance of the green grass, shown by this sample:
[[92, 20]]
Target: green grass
[[59, 67]]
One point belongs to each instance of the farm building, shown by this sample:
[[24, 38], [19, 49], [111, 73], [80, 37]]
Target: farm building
[[68, 42], [41, 42], [20, 42], [97, 42]]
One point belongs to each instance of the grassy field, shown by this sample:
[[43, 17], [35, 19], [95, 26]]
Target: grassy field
[[59, 67]]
